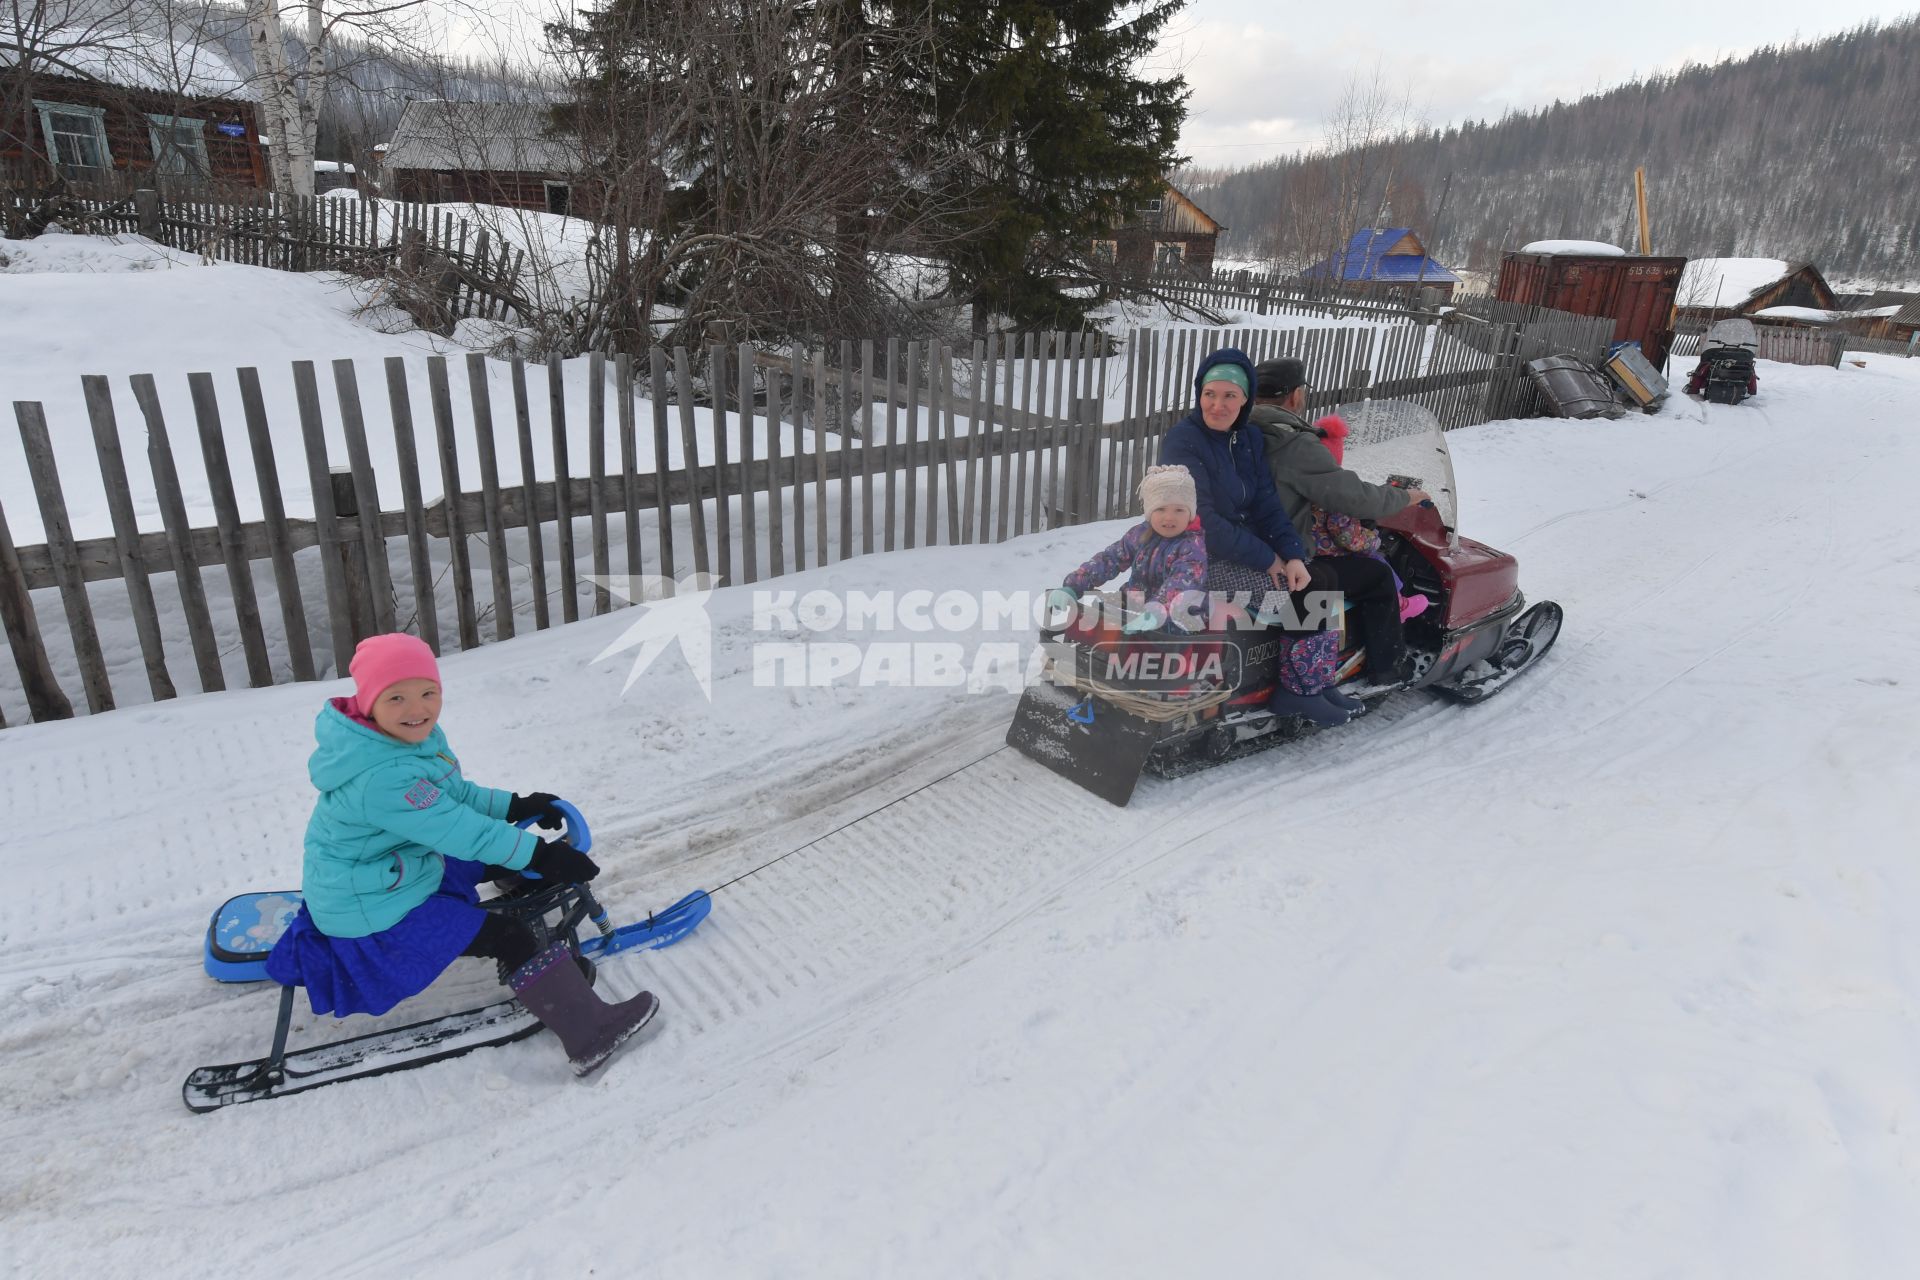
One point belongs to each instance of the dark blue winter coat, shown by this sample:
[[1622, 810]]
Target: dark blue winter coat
[[1245, 520]]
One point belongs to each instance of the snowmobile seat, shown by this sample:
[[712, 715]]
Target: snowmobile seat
[[244, 930]]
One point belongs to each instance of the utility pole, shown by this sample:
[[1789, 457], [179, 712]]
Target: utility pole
[[1640, 198]]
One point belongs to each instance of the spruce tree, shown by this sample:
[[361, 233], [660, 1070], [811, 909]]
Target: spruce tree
[[1061, 135]]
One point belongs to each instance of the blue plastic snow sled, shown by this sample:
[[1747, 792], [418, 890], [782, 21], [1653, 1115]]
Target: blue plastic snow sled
[[245, 928]]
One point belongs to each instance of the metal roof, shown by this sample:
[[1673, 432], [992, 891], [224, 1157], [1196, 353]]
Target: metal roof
[[1366, 258], [481, 137]]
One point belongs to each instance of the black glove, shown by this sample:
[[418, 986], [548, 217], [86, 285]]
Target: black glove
[[558, 860], [538, 805]]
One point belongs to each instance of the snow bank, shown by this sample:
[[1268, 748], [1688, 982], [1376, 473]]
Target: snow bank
[[1589, 248]]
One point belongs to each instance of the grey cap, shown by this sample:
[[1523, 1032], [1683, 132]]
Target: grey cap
[[1279, 377]]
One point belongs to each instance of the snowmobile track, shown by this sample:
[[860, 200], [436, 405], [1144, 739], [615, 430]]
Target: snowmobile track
[[874, 902]]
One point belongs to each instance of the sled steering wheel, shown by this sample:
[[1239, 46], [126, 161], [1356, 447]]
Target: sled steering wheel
[[575, 830]]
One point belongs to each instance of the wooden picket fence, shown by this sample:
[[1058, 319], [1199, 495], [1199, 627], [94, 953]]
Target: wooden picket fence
[[316, 233], [1787, 346], [807, 457], [1273, 294], [1882, 346]]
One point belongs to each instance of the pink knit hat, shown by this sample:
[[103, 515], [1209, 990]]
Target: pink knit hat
[[380, 662]]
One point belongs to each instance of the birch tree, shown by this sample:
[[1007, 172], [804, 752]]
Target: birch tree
[[293, 93]]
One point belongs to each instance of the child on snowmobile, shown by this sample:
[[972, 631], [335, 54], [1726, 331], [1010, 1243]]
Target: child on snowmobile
[[386, 908], [1167, 553], [1332, 533]]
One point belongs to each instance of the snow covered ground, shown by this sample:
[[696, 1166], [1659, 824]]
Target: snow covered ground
[[1615, 975]]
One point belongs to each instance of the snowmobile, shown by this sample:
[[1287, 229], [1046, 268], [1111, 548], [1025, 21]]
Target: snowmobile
[[1111, 706], [244, 929], [1725, 373]]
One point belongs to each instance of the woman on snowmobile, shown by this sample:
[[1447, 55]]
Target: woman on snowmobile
[[385, 909], [1251, 544]]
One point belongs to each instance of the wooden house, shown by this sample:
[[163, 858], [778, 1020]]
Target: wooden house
[[1719, 288], [1904, 324], [1887, 315], [503, 153], [1384, 257], [125, 106], [1169, 233]]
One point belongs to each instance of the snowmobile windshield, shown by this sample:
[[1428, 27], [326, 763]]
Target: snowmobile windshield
[[1399, 442], [1735, 332]]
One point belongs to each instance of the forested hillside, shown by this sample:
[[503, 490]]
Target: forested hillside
[[1802, 152]]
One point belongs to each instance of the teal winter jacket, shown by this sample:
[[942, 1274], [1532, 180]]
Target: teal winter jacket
[[389, 814]]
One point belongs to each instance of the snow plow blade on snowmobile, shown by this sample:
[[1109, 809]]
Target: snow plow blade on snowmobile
[[1093, 720], [1083, 739]]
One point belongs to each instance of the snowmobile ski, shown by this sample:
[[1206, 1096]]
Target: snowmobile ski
[[659, 929], [377, 1053], [1523, 644]]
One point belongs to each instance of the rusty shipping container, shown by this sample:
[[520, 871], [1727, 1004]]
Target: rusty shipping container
[[1635, 293]]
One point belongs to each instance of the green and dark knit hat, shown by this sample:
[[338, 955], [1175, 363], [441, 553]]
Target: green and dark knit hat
[[1227, 371]]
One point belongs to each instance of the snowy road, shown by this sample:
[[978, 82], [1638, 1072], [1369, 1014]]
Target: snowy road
[[1613, 975]]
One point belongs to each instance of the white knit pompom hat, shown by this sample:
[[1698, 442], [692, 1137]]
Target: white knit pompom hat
[[1167, 487]]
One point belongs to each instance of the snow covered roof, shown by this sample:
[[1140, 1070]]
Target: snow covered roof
[[332, 166], [1808, 315], [1583, 248], [159, 61], [1728, 282], [485, 137]]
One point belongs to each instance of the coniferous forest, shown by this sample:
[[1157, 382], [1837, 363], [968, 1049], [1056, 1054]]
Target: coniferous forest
[[1807, 152]]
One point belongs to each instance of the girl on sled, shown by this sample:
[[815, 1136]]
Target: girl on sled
[[399, 842]]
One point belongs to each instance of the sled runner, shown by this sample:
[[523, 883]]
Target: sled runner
[[1095, 721], [243, 931]]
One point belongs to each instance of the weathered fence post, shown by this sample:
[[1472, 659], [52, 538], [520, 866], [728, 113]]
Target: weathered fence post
[[354, 569], [146, 208], [45, 699], [65, 557], [126, 533]]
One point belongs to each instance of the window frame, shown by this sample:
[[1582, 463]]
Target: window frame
[[163, 137], [46, 109], [547, 186]]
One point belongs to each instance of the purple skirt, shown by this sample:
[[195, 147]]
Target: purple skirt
[[375, 973]]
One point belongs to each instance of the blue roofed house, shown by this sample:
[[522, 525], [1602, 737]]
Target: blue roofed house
[[1385, 257]]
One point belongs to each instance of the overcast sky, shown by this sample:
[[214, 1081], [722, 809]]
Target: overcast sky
[[1265, 72]]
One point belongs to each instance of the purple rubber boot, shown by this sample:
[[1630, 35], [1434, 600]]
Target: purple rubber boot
[[554, 990], [1308, 706]]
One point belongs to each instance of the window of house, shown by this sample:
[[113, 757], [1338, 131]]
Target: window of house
[[559, 198], [76, 136], [1151, 206], [1169, 255], [1106, 250], [179, 144]]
